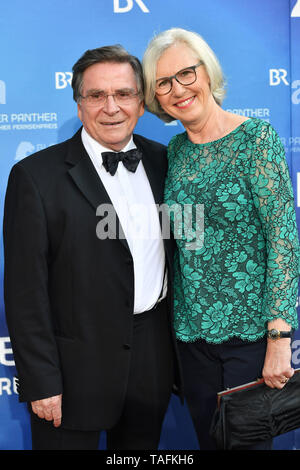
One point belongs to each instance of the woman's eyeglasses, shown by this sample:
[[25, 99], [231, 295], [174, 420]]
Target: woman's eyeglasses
[[185, 77]]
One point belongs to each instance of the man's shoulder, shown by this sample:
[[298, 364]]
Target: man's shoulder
[[46, 159], [43, 155]]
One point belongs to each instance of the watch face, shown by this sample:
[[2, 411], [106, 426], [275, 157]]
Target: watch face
[[274, 334]]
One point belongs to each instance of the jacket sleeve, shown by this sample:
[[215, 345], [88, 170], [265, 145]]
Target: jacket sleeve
[[27, 305]]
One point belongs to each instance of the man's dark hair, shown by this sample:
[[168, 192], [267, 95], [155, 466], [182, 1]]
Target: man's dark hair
[[114, 54]]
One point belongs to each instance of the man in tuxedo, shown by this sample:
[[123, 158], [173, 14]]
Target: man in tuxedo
[[88, 304]]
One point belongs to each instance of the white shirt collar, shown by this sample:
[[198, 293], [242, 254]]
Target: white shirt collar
[[94, 149]]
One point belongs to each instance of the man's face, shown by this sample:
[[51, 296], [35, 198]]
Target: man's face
[[110, 124]]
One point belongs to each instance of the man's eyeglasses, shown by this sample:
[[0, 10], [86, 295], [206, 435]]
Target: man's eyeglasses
[[185, 77], [98, 97]]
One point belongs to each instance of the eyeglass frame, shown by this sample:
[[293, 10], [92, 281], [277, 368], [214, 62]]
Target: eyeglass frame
[[170, 78], [138, 93]]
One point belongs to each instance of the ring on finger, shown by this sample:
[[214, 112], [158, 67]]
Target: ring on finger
[[284, 381]]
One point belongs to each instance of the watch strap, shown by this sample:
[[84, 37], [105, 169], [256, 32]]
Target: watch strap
[[276, 334]]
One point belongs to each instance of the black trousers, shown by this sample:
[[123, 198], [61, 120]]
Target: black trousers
[[211, 368], [148, 394]]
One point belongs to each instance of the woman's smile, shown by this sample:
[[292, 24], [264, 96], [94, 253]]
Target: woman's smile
[[185, 103]]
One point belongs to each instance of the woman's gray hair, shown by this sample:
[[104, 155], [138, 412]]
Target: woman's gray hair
[[114, 54], [158, 45]]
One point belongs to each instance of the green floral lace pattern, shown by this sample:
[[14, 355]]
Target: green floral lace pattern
[[246, 272]]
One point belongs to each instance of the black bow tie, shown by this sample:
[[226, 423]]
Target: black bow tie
[[130, 160]]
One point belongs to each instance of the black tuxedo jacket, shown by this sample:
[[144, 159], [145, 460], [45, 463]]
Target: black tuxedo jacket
[[69, 295]]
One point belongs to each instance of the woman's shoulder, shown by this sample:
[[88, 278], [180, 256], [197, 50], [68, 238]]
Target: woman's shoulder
[[257, 127], [176, 142], [179, 138], [256, 132]]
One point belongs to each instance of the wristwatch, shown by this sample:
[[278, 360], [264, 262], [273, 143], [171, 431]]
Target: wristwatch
[[276, 334]]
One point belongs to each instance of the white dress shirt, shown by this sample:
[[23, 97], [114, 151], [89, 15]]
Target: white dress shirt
[[133, 201]]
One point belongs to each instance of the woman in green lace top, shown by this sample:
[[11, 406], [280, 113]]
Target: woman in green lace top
[[237, 279]]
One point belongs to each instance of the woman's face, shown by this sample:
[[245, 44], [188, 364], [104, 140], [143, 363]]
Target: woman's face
[[188, 103]]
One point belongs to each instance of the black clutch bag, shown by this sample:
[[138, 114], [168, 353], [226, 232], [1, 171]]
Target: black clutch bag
[[254, 412]]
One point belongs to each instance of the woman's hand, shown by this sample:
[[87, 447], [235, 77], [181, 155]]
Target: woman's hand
[[277, 366]]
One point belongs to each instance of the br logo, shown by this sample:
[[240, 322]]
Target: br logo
[[128, 6], [296, 10], [2, 92], [23, 150]]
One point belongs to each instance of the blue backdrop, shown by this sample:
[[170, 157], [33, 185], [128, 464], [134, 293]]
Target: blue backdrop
[[257, 43]]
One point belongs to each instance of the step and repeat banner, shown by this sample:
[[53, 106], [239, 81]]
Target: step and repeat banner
[[257, 43]]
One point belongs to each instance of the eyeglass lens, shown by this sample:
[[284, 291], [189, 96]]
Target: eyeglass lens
[[185, 77]]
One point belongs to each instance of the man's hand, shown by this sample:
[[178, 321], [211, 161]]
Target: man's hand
[[49, 409]]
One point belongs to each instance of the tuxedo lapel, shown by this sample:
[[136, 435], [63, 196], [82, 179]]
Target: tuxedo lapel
[[87, 180], [155, 176]]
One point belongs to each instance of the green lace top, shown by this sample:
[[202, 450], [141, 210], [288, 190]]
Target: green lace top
[[245, 273]]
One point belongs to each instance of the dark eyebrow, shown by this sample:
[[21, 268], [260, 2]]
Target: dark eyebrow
[[94, 90], [119, 90], [125, 90]]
